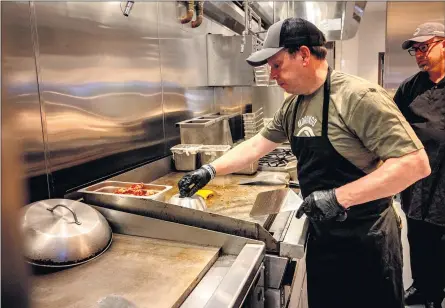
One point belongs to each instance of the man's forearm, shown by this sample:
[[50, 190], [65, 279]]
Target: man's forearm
[[392, 177], [242, 155]]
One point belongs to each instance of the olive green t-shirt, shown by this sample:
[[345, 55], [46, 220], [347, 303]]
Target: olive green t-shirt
[[364, 124]]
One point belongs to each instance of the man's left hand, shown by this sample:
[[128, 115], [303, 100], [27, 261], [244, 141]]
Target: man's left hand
[[322, 206]]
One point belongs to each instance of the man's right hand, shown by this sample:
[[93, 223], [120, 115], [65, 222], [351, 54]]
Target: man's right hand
[[195, 180]]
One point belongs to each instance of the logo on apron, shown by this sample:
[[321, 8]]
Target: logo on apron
[[305, 126]]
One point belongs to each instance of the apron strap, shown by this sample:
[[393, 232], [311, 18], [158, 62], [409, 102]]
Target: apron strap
[[326, 99]]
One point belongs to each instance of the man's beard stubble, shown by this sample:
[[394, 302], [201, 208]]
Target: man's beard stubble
[[423, 66]]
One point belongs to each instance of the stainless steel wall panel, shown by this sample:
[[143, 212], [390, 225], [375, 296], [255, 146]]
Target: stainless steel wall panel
[[227, 66], [247, 98], [183, 52], [402, 20], [101, 86], [184, 70], [220, 29], [184, 61], [234, 100], [112, 88], [270, 98], [229, 100], [200, 101], [20, 93], [181, 104], [280, 10]]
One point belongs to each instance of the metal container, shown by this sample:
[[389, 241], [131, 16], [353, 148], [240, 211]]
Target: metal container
[[252, 132], [62, 232], [253, 116], [208, 130], [209, 153], [108, 188], [185, 156], [253, 123]]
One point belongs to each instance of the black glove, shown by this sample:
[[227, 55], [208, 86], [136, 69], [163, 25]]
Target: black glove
[[321, 206], [195, 180]]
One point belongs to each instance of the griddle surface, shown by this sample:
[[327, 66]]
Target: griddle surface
[[144, 272], [230, 199]]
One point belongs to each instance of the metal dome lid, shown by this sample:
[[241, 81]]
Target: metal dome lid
[[62, 232]]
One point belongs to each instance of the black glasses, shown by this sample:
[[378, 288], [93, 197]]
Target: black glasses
[[423, 48]]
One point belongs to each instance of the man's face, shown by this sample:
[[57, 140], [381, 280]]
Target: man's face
[[433, 54], [288, 71]]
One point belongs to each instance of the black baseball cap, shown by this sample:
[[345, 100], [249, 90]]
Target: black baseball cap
[[290, 32]]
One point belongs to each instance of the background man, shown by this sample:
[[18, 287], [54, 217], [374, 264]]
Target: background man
[[421, 98]]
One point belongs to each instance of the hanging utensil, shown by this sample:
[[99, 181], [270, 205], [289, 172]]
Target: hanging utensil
[[61, 232]]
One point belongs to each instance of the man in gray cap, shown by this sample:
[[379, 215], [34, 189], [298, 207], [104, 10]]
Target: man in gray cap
[[352, 143], [421, 98]]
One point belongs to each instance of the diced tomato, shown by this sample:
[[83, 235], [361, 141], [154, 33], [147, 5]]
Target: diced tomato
[[136, 190], [120, 191], [137, 186]]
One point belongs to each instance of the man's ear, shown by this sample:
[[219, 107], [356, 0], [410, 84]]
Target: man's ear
[[305, 54]]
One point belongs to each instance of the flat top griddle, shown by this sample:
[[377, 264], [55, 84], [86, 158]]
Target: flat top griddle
[[230, 199], [134, 270]]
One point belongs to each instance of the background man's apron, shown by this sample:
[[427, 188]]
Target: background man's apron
[[356, 263]]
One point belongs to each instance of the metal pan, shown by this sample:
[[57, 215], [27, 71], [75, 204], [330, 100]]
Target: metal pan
[[108, 188]]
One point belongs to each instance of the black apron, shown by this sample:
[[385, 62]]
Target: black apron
[[356, 263], [424, 200]]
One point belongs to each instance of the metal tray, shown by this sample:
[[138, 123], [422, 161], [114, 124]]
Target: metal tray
[[108, 187], [253, 115]]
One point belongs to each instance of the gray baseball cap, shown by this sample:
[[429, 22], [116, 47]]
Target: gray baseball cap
[[290, 32], [424, 32]]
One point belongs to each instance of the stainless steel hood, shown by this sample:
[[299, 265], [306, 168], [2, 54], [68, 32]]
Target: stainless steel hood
[[338, 20], [226, 13]]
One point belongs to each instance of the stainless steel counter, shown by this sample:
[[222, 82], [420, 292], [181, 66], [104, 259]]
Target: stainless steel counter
[[135, 270]]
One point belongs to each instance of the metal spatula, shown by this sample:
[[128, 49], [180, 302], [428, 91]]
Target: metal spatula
[[276, 201]]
